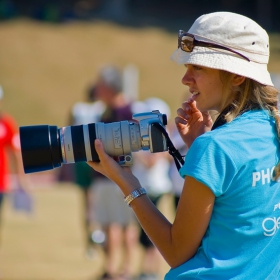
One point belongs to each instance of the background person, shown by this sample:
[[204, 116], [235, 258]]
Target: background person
[[224, 226], [152, 169], [177, 181], [85, 112], [9, 154], [112, 214]]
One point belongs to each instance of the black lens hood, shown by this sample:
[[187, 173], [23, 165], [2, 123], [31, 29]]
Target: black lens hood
[[40, 148]]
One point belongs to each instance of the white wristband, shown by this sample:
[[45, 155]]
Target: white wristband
[[136, 193]]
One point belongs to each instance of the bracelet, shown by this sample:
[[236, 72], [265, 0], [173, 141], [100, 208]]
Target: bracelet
[[136, 193]]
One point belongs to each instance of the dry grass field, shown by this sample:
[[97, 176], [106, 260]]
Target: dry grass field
[[44, 70], [48, 243]]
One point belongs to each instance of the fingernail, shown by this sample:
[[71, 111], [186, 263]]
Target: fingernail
[[190, 100]]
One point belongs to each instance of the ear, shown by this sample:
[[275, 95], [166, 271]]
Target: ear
[[237, 80]]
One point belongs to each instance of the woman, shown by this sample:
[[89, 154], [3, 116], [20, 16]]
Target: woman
[[227, 220]]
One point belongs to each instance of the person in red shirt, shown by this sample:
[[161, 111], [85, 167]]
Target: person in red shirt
[[8, 140], [9, 149]]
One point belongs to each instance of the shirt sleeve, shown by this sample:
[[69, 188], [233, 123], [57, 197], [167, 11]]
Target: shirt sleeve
[[210, 162]]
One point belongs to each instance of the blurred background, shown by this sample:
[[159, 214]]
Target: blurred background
[[51, 50], [50, 53]]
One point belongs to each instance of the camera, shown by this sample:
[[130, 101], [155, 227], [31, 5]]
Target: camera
[[44, 147]]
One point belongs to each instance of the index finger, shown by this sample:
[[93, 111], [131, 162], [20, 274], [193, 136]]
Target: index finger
[[190, 104]]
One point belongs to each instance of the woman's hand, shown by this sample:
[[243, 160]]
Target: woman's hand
[[107, 166], [191, 122]]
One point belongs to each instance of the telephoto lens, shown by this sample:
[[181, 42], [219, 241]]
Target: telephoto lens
[[44, 147]]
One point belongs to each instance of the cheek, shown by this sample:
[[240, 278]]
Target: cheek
[[213, 95], [216, 88], [211, 90]]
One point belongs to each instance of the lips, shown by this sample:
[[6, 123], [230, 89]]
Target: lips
[[194, 95]]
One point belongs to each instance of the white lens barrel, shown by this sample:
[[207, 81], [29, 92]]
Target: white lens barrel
[[66, 145], [125, 133], [87, 143], [118, 138]]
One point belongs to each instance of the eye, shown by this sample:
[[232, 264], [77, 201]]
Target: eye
[[197, 67]]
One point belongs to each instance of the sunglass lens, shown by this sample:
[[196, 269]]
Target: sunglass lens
[[186, 43]]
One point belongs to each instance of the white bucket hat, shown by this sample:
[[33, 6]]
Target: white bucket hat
[[234, 31]]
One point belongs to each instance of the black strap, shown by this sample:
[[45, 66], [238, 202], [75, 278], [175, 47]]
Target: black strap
[[178, 158], [221, 118]]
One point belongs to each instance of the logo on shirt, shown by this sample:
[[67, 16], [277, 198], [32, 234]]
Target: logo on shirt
[[263, 177], [277, 206], [272, 224]]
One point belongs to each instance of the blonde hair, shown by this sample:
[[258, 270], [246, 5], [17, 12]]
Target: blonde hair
[[253, 95]]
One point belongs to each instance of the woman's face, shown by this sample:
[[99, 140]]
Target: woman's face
[[206, 87]]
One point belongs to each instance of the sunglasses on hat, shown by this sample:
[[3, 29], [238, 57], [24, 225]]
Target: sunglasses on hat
[[187, 41]]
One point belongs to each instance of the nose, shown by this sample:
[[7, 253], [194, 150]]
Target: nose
[[187, 78]]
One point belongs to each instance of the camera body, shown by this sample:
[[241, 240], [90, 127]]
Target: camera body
[[149, 135], [45, 147]]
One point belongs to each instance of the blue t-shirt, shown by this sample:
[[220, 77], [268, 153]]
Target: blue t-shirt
[[236, 161]]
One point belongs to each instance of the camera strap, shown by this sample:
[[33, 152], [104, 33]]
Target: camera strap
[[178, 158]]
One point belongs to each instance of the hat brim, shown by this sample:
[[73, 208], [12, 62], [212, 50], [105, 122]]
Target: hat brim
[[226, 61]]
